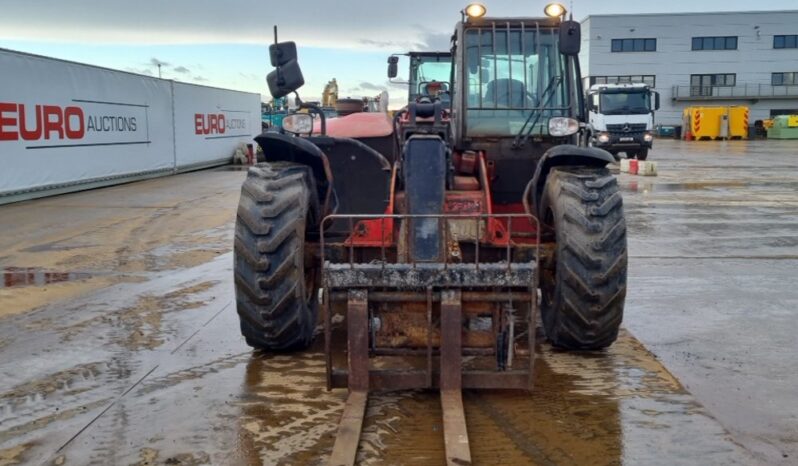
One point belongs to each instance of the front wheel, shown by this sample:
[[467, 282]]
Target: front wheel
[[584, 284], [642, 154], [276, 292]]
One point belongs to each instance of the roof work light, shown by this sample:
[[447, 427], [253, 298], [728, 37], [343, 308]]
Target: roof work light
[[554, 10], [475, 10]]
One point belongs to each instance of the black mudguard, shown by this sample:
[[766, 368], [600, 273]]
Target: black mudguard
[[278, 147], [559, 156]]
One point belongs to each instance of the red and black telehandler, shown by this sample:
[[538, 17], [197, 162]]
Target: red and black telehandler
[[440, 233]]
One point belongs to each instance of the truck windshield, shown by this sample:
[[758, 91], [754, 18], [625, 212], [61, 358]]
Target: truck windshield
[[625, 103], [430, 75], [507, 71]]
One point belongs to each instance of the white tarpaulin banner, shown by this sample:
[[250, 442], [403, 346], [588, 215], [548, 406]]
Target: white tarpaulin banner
[[64, 124], [211, 123]]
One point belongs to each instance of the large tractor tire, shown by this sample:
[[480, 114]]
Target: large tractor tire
[[584, 284], [276, 292]]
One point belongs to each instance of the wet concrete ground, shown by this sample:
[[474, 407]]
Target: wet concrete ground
[[712, 282], [119, 341]]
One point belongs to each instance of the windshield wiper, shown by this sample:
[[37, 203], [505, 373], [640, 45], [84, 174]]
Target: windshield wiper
[[537, 112]]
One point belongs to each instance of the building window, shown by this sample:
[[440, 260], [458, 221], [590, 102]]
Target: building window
[[702, 84], [784, 79], [649, 79], [776, 112], [785, 42], [634, 45], [715, 43]]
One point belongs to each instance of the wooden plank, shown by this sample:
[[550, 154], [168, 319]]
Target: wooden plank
[[345, 448], [455, 435]]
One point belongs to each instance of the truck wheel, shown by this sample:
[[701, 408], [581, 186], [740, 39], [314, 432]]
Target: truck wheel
[[584, 284], [642, 154], [276, 294]]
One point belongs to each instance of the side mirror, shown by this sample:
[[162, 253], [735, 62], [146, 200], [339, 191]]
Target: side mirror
[[656, 100], [285, 79], [593, 102], [282, 53], [393, 67], [570, 38]]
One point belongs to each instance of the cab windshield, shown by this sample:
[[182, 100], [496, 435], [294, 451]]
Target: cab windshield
[[512, 72], [625, 103], [429, 75]]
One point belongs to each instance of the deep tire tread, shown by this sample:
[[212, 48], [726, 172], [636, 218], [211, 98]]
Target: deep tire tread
[[276, 311], [583, 306]]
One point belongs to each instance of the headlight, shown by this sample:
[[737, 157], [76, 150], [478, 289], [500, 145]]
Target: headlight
[[298, 123], [475, 10], [648, 137], [603, 138], [554, 10], [560, 126]]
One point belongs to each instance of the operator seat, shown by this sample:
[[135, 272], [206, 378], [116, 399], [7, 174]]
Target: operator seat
[[502, 90]]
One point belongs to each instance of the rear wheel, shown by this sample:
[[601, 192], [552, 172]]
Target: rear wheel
[[584, 284], [276, 294]]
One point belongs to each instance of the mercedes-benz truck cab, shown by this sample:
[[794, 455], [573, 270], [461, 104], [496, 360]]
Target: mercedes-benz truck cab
[[621, 118]]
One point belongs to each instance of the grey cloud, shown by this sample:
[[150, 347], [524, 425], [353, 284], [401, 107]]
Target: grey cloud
[[155, 62], [199, 79], [349, 24], [371, 87], [400, 83], [434, 41], [182, 69], [384, 44]]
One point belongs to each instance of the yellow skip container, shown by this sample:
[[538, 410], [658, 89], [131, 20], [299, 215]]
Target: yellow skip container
[[715, 122]]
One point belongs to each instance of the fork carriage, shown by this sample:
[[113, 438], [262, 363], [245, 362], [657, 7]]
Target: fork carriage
[[479, 301]]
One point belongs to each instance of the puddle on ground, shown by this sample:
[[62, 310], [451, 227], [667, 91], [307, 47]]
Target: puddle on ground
[[651, 186], [596, 408], [14, 277]]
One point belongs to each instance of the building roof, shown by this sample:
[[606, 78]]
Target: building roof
[[699, 13]]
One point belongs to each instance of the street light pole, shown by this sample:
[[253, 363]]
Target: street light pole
[[159, 70]]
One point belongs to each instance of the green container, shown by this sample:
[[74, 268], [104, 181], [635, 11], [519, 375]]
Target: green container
[[781, 128]]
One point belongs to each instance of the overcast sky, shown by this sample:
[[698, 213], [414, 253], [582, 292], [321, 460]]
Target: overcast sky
[[223, 42]]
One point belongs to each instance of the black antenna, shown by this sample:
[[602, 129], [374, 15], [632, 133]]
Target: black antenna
[[275, 33]]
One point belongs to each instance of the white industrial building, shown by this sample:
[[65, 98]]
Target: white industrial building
[[723, 58]]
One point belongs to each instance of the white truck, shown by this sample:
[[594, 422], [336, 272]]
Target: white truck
[[621, 118]]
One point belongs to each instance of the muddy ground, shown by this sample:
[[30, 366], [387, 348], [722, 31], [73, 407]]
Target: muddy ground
[[119, 341]]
